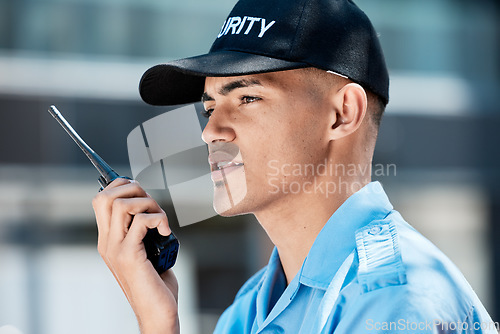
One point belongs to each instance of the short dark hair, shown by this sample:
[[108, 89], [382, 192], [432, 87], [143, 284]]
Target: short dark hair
[[376, 104], [376, 108]]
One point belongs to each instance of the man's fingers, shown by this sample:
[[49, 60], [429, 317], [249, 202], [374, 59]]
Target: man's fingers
[[144, 221], [120, 181], [123, 210], [131, 248], [124, 213], [103, 203], [119, 188]]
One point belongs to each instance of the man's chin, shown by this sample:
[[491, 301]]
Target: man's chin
[[229, 198], [228, 211]]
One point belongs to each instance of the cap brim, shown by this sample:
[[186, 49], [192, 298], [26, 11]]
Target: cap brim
[[182, 81]]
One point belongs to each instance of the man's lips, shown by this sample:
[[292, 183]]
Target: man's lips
[[220, 160], [224, 164], [222, 169]]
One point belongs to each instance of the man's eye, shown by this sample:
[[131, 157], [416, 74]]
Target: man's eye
[[207, 113], [249, 99]]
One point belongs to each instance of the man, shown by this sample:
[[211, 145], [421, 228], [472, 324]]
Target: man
[[294, 91]]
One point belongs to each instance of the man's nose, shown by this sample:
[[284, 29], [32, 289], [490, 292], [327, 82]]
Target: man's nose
[[217, 129]]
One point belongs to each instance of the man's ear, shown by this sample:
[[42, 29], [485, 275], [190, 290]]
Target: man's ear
[[349, 106]]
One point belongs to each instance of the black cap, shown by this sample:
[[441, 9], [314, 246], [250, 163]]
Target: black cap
[[266, 36]]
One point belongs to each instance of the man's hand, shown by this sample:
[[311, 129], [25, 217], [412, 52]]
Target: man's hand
[[124, 213]]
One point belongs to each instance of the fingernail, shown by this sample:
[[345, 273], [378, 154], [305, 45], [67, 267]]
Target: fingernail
[[164, 230]]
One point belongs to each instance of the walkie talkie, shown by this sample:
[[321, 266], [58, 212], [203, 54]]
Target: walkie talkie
[[161, 251]]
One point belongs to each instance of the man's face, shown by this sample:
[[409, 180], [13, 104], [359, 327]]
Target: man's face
[[262, 129]]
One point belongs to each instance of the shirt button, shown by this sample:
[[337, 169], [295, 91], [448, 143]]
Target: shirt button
[[375, 230]]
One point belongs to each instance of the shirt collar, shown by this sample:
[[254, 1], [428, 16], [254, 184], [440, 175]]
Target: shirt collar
[[337, 238]]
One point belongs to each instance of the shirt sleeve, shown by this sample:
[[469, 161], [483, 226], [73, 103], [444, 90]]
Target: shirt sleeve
[[399, 310]]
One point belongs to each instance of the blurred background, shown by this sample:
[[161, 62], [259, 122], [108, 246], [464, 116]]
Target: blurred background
[[441, 131]]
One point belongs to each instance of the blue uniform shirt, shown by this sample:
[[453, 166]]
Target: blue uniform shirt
[[368, 271]]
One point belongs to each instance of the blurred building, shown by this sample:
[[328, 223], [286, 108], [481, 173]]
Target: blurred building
[[86, 56]]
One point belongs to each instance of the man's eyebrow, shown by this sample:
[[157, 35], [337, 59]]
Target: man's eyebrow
[[205, 97], [242, 83], [229, 87]]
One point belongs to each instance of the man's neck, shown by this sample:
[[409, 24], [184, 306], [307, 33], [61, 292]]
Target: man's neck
[[295, 222]]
